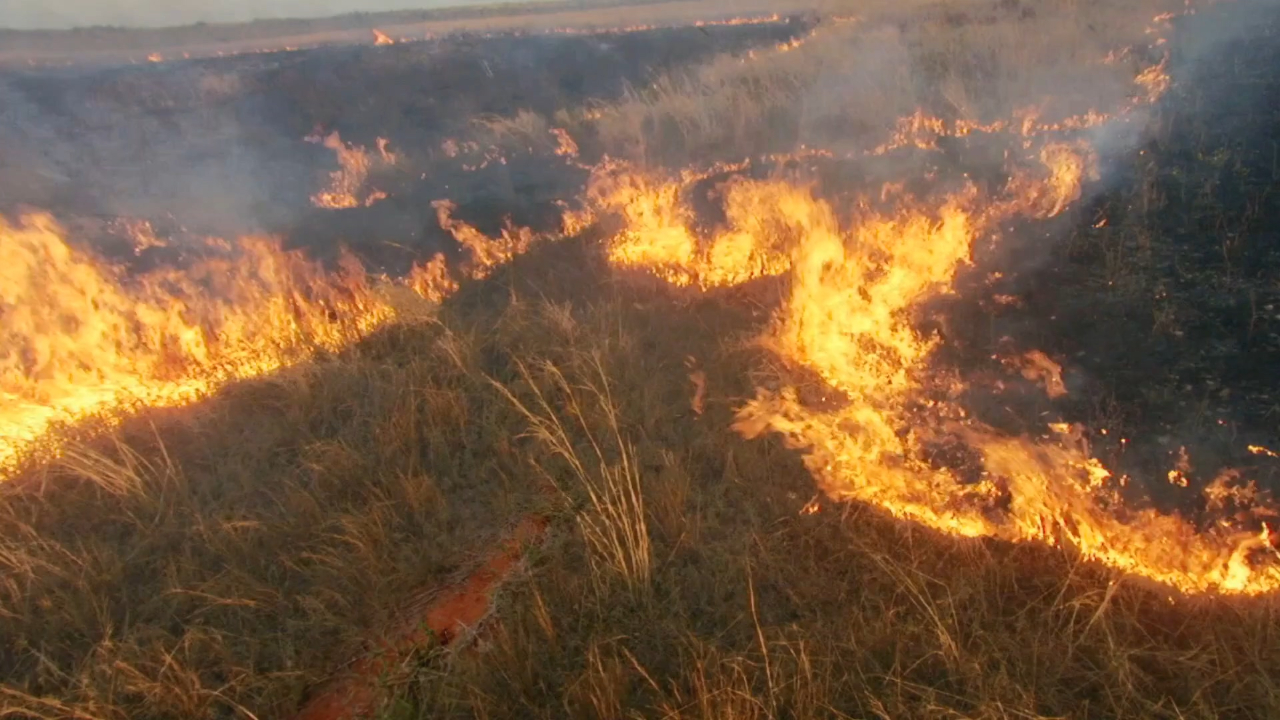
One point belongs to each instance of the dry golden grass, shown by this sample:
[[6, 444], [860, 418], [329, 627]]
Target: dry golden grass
[[215, 561], [849, 84], [756, 609], [613, 521], [234, 552]]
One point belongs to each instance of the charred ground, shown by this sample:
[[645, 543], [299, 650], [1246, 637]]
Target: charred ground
[[1162, 298], [224, 558]]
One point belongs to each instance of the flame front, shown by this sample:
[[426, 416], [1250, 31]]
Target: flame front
[[347, 183], [83, 338], [80, 338], [873, 425], [872, 417], [848, 320]]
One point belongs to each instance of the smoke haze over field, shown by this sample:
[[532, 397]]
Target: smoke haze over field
[[62, 14]]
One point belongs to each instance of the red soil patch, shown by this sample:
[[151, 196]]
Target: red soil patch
[[447, 618]]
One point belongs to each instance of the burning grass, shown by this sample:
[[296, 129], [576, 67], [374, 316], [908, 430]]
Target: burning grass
[[800, 441], [80, 338]]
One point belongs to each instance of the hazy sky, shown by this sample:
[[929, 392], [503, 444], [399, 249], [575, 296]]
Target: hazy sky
[[143, 13]]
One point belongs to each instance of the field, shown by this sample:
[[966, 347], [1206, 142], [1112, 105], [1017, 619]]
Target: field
[[137, 45], [878, 361]]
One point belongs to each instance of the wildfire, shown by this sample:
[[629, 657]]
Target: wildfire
[[485, 253], [434, 280], [347, 183], [853, 288], [82, 339], [1038, 367], [848, 320], [381, 38], [1154, 80], [565, 145], [757, 20], [770, 19]]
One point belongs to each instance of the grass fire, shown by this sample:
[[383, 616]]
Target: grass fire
[[650, 360]]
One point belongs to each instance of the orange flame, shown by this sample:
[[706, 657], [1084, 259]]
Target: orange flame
[[848, 321], [485, 253], [565, 146], [432, 280], [347, 183], [81, 339]]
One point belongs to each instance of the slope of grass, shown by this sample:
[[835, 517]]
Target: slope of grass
[[232, 553], [757, 606], [219, 560]]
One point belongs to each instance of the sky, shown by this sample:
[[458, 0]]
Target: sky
[[59, 14]]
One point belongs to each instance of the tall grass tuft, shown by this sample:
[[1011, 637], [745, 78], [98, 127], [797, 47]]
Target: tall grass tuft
[[601, 461]]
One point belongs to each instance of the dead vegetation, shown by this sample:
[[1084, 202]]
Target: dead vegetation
[[218, 560], [851, 83]]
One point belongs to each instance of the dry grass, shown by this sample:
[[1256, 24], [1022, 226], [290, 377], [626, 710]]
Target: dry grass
[[755, 609], [850, 83], [613, 522], [125, 44], [214, 561]]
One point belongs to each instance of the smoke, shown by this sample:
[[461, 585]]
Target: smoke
[[867, 73], [146, 146]]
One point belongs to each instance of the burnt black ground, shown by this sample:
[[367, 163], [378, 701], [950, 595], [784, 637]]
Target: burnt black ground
[[1160, 294], [216, 145]]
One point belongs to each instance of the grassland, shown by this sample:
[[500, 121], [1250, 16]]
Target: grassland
[[221, 559], [110, 44]]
